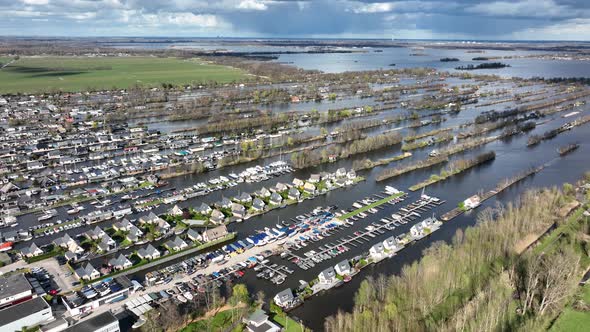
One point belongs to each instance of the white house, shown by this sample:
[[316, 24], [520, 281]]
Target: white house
[[343, 268], [377, 251], [327, 276], [87, 272], [285, 298], [472, 202]]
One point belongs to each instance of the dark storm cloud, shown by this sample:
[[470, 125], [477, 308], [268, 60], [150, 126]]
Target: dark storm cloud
[[477, 19]]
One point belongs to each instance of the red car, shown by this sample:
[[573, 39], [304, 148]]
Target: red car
[[53, 292]]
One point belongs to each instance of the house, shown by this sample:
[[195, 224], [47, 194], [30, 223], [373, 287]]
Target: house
[[340, 182], [151, 218], [31, 251], [263, 192], [298, 182], [309, 188], [148, 252], [122, 226], [244, 198], [214, 233], [285, 298], [472, 202], [217, 217], [258, 322], [68, 243], [238, 210], [377, 251], [225, 203], [70, 256], [343, 268], [279, 187], [162, 226], [193, 235], [203, 209], [327, 276], [258, 204], [351, 174], [314, 178], [106, 244], [341, 172], [134, 234], [120, 263], [391, 244], [175, 211], [294, 194], [275, 199], [176, 244], [87, 272], [95, 234], [424, 227]]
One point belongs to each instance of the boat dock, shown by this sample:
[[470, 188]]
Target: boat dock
[[489, 194], [333, 249]]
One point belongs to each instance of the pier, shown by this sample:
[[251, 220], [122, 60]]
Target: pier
[[499, 188]]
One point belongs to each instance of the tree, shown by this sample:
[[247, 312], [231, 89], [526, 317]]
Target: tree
[[239, 295]]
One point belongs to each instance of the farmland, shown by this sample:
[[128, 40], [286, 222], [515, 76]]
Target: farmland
[[43, 74]]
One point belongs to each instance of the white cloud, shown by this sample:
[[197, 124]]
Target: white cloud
[[35, 2], [205, 21], [371, 8], [81, 16], [252, 5]]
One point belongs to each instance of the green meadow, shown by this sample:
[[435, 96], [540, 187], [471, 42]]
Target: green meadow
[[52, 73]]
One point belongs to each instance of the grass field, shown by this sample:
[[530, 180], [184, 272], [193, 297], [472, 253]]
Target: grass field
[[572, 320], [39, 74]]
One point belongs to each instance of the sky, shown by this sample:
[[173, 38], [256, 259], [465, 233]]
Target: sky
[[413, 19]]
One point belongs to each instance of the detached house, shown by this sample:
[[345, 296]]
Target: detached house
[[238, 210], [294, 194], [280, 187], [327, 276], [258, 204], [175, 211], [214, 233], [68, 243], [244, 198], [203, 209], [122, 226], [377, 251], [87, 272], [106, 244], [193, 235], [120, 263], [148, 252], [263, 192], [217, 217], [391, 244], [134, 234], [176, 244], [298, 182], [275, 199], [314, 178], [225, 203], [285, 298], [343, 268], [309, 188], [31, 251]]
